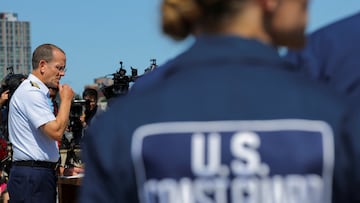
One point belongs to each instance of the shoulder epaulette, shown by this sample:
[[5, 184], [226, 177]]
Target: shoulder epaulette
[[34, 84]]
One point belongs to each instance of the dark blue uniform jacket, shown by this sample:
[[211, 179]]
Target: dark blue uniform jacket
[[332, 54], [226, 121]]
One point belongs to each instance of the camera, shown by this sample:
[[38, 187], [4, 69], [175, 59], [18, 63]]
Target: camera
[[11, 82], [71, 141], [75, 124], [122, 81], [74, 132], [152, 66], [77, 107]]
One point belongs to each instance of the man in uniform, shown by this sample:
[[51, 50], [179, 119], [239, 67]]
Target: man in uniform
[[34, 130]]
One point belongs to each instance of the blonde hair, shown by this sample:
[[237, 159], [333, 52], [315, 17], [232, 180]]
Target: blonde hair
[[180, 18]]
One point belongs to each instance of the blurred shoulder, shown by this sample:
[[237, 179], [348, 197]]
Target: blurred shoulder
[[347, 25], [153, 78]]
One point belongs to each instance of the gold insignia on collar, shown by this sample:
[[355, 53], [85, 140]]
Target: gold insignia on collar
[[34, 84]]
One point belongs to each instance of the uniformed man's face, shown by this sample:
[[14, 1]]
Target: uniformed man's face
[[287, 22], [55, 69]]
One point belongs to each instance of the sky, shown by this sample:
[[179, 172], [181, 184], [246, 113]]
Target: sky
[[97, 35]]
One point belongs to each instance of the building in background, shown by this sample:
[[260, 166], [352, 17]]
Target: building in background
[[15, 45]]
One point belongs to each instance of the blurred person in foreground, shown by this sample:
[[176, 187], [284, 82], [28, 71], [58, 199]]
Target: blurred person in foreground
[[332, 55], [227, 120], [34, 130]]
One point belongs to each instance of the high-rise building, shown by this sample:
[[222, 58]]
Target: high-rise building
[[15, 46]]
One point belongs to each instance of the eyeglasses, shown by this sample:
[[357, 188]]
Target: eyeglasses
[[61, 68]]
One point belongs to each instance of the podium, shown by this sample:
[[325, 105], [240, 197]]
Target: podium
[[68, 188]]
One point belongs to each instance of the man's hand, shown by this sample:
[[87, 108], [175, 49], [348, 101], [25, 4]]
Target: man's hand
[[4, 97], [55, 129], [66, 92]]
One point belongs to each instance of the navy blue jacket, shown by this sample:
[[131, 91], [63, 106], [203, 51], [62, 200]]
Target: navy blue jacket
[[227, 120], [332, 54]]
